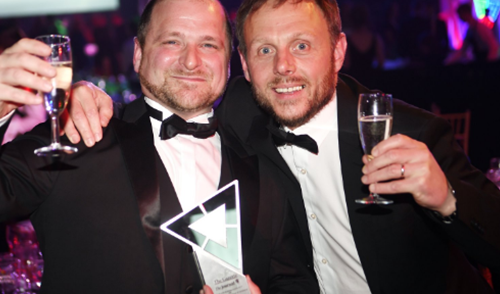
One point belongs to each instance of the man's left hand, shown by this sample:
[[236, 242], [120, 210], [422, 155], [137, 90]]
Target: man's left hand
[[408, 167]]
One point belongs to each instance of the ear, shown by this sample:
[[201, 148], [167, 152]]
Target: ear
[[137, 55], [244, 65], [339, 52]]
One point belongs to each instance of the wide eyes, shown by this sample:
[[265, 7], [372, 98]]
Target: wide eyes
[[299, 47], [265, 51]]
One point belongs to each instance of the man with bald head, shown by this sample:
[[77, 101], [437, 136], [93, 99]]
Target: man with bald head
[[97, 212]]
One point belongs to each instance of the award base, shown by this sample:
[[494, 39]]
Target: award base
[[221, 279]]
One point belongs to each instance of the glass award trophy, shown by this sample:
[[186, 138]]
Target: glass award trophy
[[213, 230]]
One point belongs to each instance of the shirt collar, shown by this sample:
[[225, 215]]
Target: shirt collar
[[323, 122], [202, 118]]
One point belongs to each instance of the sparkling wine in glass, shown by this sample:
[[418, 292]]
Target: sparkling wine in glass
[[375, 125], [56, 100]]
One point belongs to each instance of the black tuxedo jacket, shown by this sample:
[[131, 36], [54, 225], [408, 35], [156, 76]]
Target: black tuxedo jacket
[[96, 214], [403, 247]]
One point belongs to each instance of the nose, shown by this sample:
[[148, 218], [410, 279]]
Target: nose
[[284, 64], [190, 58]]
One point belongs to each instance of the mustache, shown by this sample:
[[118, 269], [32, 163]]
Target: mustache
[[288, 80]]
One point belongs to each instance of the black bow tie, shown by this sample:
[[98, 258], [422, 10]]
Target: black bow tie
[[174, 125], [282, 137]]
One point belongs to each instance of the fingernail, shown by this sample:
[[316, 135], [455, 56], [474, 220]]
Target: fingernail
[[202, 292], [375, 151], [73, 139], [98, 137], [363, 179], [89, 141]]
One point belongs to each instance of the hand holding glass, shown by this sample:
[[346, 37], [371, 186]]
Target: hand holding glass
[[56, 100], [375, 125]]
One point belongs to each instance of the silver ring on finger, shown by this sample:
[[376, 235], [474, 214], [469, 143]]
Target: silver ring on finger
[[402, 170]]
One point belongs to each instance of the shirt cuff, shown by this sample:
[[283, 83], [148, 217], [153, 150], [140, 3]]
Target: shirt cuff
[[5, 119]]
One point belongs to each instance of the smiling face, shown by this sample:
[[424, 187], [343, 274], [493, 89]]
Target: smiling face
[[290, 60], [183, 63]]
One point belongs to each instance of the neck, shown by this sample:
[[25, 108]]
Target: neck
[[185, 114], [189, 114]]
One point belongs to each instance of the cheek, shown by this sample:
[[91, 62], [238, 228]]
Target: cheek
[[218, 67], [163, 59], [261, 75]]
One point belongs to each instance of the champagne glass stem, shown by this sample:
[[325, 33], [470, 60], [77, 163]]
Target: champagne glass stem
[[55, 128]]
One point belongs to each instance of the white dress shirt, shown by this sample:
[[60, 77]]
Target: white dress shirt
[[194, 165], [336, 258]]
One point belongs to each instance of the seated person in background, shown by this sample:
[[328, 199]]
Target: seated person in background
[[479, 37], [365, 52]]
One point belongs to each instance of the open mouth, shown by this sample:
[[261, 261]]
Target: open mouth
[[289, 89]]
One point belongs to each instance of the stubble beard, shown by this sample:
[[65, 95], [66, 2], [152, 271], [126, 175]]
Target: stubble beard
[[180, 96], [318, 100]]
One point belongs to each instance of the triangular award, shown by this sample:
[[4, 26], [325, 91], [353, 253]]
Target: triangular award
[[213, 229]]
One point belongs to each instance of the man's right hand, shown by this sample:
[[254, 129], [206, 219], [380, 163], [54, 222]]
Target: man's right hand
[[23, 72], [89, 110]]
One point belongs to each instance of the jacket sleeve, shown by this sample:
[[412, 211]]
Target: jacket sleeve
[[24, 177], [476, 229]]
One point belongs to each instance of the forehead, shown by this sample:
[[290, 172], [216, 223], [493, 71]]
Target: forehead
[[290, 18], [188, 18]]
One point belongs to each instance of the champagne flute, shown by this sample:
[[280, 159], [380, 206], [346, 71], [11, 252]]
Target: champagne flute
[[56, 100], [375, 125]]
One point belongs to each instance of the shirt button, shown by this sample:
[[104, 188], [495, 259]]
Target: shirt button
[[324, 261], [303, 171], [313, 216]]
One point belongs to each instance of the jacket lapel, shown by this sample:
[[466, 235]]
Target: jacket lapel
[[255, 214], [141, 159], [261, 141], [361, 216]]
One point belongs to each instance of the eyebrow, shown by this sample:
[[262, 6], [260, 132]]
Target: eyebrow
[[209, 38], [170, 34], [179, 34], [293, 37]]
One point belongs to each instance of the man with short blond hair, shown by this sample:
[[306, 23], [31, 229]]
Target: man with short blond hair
[[443, 207]]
